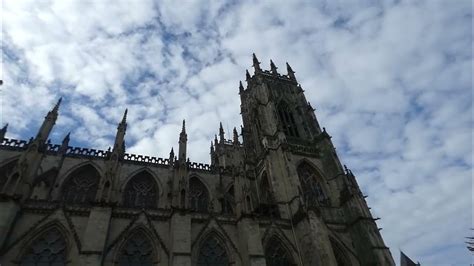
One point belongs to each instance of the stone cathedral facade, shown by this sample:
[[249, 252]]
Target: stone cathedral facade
[[273, 194]]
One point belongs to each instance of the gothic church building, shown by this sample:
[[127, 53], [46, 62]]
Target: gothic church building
[[278, 197]]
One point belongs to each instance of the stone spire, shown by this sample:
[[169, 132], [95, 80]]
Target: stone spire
[[247, 76], [3, 131], [48, 123], [256, 64], [221, 133], [273, 68], [291, 73], [119, 145], [183, 139], [171, 158]]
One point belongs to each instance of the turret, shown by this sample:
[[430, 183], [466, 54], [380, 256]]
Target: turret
[[183, 139], [48, 123], [291, 73], [3, 131], [273, 68], [171, 158]]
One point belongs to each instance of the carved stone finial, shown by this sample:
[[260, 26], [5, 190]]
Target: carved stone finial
[[241, 87], [273, 68], [3, 131], [291, 73], [247, 76], [256, 64], [236, 136]]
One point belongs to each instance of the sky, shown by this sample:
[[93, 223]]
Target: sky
[[391, 82]]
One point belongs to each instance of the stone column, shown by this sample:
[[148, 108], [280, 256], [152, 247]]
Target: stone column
[[180, 240], [95, 235]]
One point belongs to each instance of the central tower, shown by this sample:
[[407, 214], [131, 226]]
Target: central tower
[[298, 176]]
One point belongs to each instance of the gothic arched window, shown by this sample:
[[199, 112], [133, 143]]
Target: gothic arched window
[[276, 254], [81, 185], [48, 249], [138, 250], [198, 195], [341, 258], [287, 120], [141, 191], [228, 201], [311, 186], [212, 253]]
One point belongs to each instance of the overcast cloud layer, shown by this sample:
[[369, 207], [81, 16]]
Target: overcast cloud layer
[[391, 83]]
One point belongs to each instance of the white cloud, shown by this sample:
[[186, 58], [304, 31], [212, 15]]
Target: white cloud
[[391, 82]]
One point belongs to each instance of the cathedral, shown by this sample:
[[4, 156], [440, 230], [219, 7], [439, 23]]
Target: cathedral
[[274, 193]]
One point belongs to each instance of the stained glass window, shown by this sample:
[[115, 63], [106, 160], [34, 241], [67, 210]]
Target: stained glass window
[[141, 191], [48, 249], [212, 253], [81, 185], [287, 120], [276, 254], [198, 196], [313, 193], [137, 251]]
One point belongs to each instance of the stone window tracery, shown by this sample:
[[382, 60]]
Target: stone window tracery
[[287, 120], [212, 253], [48, 249], [276, 254], [311, 186], [198, 196], [138, 250], [141, 192], [5, 172], [268, 204], [81, 186]]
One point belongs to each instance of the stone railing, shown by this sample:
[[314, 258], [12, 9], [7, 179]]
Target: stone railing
[[85, 152], [13, 144], [144, 159]]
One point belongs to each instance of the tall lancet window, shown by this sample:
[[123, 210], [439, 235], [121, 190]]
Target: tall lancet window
[[198, 195], [287, 120], [48, 249], [138, 250], [141, 192], [311, 186], [212, 253], [276, 254], [81, 185]]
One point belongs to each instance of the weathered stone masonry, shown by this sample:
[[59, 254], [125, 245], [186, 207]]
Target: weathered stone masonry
[[279, 197]]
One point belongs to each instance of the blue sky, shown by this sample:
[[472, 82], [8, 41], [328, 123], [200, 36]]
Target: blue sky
[[391, 81]]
